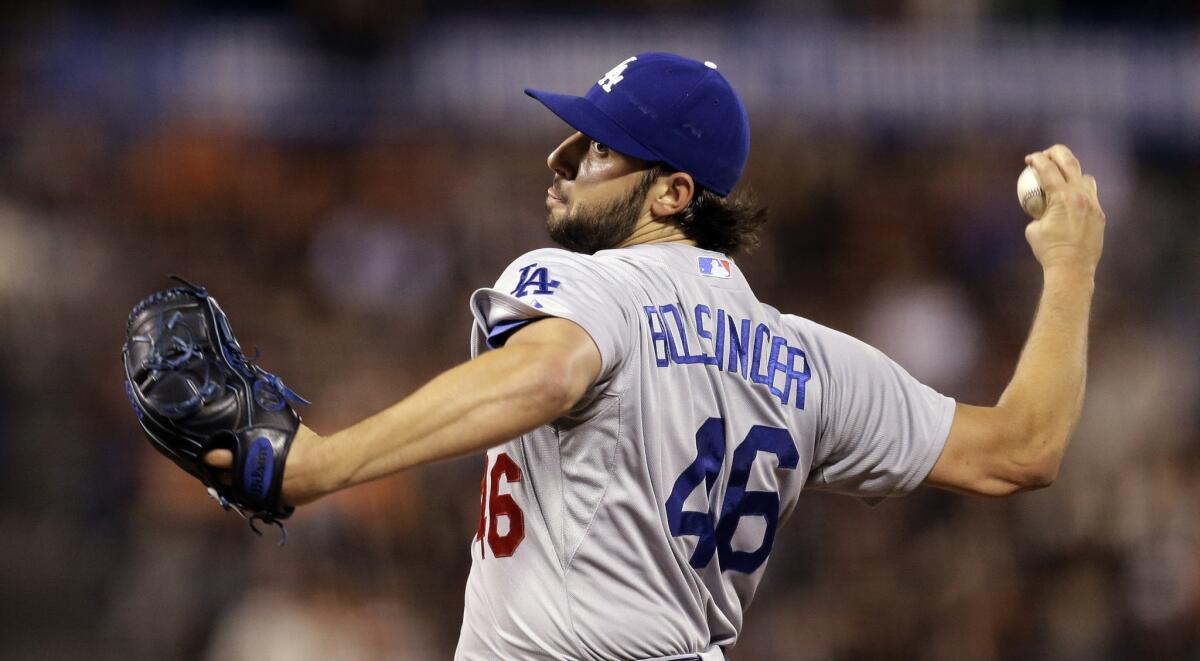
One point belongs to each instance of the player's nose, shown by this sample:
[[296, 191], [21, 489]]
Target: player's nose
[[564, 160]]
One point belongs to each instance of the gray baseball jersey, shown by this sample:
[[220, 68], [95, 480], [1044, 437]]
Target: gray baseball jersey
[[639, 525]]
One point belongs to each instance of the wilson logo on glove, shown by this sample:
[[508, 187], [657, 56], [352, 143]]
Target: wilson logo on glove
[[258, 468]]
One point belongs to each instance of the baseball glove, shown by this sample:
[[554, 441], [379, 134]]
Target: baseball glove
[[194, 391]]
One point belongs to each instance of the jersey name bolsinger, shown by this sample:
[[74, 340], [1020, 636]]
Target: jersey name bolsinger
[[760, 357]]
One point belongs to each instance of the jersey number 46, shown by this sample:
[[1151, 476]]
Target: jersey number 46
[[497, 505], [716, 533]]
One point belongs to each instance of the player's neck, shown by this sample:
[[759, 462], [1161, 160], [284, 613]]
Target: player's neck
[[651, 230]]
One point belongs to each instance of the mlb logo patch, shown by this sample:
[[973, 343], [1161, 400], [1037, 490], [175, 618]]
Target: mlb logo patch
[[715, 268]]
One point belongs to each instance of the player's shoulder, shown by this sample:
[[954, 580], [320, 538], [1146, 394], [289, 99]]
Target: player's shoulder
[[556, 254], [607, 264], [808, 327], [641, 255], [553, 271], [547, 257], [828, 344]]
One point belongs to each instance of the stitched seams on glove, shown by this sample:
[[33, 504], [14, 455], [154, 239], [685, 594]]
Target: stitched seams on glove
[[194, 391]]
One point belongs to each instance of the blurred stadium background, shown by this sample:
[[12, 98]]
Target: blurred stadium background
[[343, 174]]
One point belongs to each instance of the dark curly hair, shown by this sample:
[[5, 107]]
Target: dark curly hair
[[725, 224]]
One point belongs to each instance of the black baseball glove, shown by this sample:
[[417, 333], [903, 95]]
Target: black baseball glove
[[194, 391]]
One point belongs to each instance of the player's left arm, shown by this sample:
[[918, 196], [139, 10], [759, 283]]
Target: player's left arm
[[539, 374], [1019, 443]]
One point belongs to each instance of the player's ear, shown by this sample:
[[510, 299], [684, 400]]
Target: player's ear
[[675, 196]]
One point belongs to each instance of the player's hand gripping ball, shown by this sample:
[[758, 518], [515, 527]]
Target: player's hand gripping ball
[[194, 391], [1030, 193], [1069, 230]]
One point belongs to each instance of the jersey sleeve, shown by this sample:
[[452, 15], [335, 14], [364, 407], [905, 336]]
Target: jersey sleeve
[[880, 431], [554, 283]]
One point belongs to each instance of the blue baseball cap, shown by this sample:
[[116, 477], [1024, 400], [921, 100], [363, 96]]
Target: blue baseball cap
[[664, 107]]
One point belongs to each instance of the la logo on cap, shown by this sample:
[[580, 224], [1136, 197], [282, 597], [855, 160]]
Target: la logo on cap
[[614, 75]]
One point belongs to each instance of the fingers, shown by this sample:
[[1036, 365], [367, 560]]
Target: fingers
[[219, 459], [1056, 165], [1047, 171], [222, 460], [1065, 159]]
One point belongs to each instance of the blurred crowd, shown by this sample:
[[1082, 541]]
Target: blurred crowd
[[348, 258]]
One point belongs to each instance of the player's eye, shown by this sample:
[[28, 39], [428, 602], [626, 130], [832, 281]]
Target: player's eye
[[599, 148]]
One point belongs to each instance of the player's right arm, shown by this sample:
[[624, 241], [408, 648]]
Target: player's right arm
[[1019, 443]]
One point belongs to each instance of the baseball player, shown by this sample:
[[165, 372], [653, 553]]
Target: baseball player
[[649, 423]]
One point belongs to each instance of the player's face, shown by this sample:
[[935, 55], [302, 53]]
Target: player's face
[[597, 196]]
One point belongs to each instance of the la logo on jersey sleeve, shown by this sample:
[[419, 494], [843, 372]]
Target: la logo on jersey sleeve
[[534, 279]]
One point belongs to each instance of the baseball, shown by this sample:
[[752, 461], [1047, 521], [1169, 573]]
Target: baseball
[[1030, 193]]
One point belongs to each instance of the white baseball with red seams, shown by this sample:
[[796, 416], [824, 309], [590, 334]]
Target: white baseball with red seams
[[1030, 193]]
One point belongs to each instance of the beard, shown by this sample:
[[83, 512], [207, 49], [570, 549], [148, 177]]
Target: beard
[[589, 228]]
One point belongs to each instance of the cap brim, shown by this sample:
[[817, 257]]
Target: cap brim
[[586, 118]]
